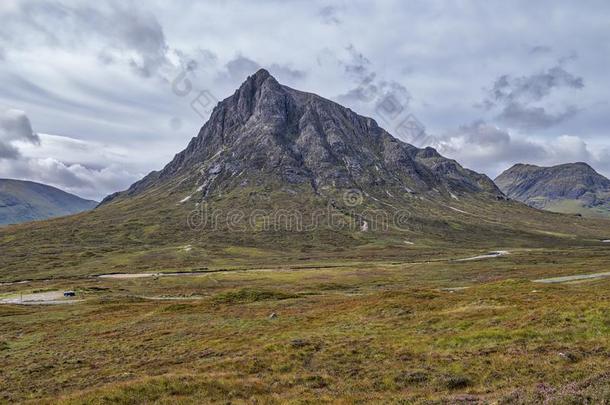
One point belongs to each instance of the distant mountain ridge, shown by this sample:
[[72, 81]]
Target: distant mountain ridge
[[568, 188], [24, 201]]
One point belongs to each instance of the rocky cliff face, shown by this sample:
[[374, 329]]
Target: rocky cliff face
[[267, 133], [565, 188]]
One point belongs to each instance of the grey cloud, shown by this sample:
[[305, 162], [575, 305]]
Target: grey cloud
[[571, 148], [124, 28], [363, 93], [8, 151], [20, 147], [26, 90], [540, 50], [35, 16], [516, 98], [396, 89], [145, 34], [572, 56], [358, 64], [532, 88], [489, 149], [528, 117], [359, 69], [286, 73], [201, 58], [16, 126], [483, 134], [128, 28], [329, 15], [106, 57], [497, 141], [242, 67], [386, 100], [371, 90]]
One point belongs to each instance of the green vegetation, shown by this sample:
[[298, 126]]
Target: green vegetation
[[386, 331], [579, 207], [246, 295], [333, 314]]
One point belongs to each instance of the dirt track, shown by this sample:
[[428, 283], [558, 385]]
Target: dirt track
[[567, 279], [44, 298], [490, 255]]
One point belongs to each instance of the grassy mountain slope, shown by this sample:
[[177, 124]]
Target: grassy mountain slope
[[24, 201]]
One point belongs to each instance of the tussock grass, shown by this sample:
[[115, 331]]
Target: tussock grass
[[394, 335], [246, 295]]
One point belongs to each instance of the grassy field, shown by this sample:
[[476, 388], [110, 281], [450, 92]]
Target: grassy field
[[335, 315], [355, 332], [579, 207]]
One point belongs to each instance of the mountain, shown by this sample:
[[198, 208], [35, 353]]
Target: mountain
[[267, 133], [569, 188], [23, 201], [278, 175]]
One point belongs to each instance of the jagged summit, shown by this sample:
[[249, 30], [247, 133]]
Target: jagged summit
[[269, 133], [569, 187], [260, 75]]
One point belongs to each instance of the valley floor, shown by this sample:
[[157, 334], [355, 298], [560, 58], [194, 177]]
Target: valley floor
[[477, 331]]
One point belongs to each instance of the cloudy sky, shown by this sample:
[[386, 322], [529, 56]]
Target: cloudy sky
[[96, 94]]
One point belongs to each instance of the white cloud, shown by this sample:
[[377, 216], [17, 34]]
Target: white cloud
[[8, 6], [86, 168], [489, 149], [73, 178]]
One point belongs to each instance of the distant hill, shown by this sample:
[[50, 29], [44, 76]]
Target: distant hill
[[569, 188], [24, 201]]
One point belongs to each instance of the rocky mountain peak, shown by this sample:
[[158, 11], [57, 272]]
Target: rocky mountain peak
[[262, 96], [574, 184], [269, 133]]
